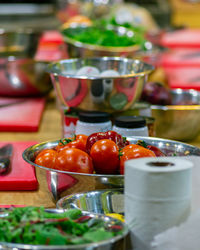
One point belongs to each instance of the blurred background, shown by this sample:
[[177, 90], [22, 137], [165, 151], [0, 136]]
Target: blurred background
[[48, 13]]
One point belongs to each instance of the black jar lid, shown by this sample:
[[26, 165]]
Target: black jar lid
[[130, 121], [93, 116]]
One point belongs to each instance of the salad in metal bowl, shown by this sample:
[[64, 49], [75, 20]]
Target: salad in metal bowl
[[36, 226]]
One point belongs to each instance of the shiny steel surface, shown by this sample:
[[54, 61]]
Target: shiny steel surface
[[97, 201], [23, 77], [20, 74], [114, 243], [78, 49], [21, 43], [99, 93], [5, 158], [178, 122], [62, 183]]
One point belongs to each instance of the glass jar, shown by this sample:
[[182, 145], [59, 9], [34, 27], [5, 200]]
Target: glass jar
[[93, 121], [130, 126]]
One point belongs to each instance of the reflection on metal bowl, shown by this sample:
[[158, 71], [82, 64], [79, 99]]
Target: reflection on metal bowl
[[23, 77], [115, 243], [180, 121], [104, 93], [62, 183], [97, 201]]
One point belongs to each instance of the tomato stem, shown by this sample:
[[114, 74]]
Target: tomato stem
[[142, 143], [67, 140]]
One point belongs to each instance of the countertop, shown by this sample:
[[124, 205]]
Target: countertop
[[50, 129]]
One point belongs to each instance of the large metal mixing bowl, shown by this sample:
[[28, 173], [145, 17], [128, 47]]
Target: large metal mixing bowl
[[62, 183], [178, 121], [104, 93], [115, 243], [23, 77]]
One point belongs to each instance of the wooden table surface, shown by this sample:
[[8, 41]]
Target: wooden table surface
[[50, 129]]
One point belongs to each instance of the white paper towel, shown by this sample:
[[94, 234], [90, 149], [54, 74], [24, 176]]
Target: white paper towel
[[156, 197]]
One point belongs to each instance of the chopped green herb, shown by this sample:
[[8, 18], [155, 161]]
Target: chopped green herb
[[34, 225], [101, 36]]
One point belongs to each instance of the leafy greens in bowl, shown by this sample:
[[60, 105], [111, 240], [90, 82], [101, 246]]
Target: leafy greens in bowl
[[94, 41], [101, 36], [35, 226]]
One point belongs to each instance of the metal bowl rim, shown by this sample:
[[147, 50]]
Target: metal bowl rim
[[60, 201], [50, 66], [73, 247], [20, 30], [95, 175], [179, 107]]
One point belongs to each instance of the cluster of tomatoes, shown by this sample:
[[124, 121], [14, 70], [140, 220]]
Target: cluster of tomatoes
[[100, 153]]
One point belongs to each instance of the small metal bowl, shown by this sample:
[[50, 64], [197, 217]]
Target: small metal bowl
[[20, 74], [19, 43], [115, 243], [99, 201], [104, 93], [178, 122], [62, 183], [23, 77], [76, 49]]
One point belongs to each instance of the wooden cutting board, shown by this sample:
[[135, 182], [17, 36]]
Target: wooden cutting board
[[22, 175]]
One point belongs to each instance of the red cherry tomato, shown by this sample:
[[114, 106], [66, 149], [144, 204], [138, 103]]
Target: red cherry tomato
[[74, 160], [153, 148], [156, 150], [137, 152], [105, 156], [79, 141], [46, 158], [112, 135], [127, 148]]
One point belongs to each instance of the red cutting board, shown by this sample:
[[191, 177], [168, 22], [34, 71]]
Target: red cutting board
[[51, 47], [22, 175], [184, 38], [24, 116], [181, 58], [184, 77]]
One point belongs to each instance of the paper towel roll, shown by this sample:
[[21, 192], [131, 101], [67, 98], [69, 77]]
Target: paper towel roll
[[157, 196]]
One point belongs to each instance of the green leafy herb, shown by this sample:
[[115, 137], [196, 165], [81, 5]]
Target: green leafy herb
[[101, 36], [34, 225]]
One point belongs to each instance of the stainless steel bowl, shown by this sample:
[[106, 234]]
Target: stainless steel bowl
[[113, 93], [76, 49], [20, 74], [178, 121], [115, 243], [20, 43], [23, 77], [98, 201], [62, 183]]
